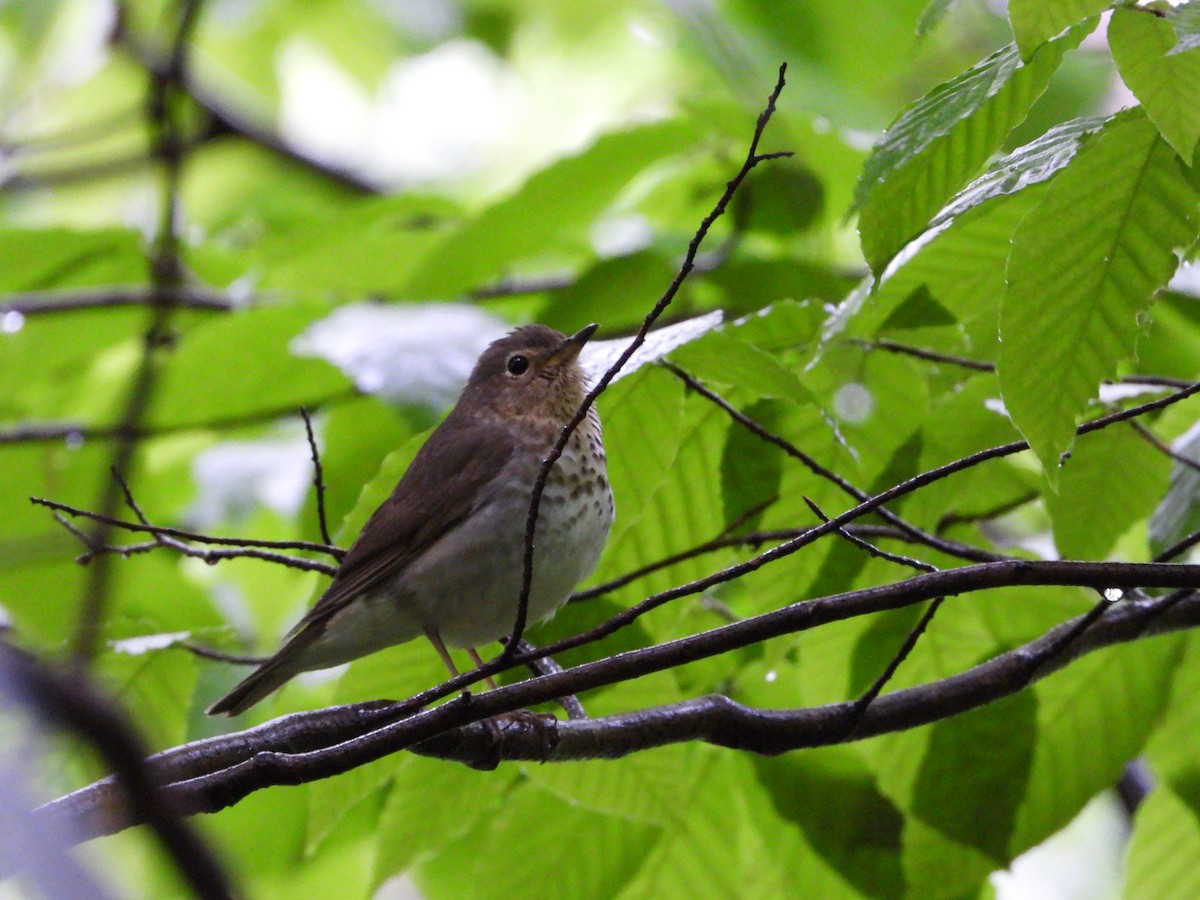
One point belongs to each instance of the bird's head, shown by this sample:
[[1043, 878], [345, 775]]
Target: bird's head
[[532, 371]]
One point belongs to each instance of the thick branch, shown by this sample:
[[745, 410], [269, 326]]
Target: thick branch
[[217, 772]]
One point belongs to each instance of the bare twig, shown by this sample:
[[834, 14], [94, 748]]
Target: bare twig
[[236, 659], [1152, 439], [951, 548], [753, 158], [179, 534], [929, 355], [79, 432], [207, 556], [318, 478], [49, 302], [878, 552], [1180, 547]]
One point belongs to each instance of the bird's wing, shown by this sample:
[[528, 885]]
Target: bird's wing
[[443, 484]]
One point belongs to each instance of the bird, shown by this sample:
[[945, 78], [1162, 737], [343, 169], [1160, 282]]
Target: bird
[[443, 556]]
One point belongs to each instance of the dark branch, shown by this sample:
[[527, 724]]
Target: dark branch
[[214, 773]]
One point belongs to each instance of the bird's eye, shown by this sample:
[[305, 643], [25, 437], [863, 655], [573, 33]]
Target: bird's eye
[[517, 364]]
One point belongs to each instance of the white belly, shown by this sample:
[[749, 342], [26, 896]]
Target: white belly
[[467, 585]]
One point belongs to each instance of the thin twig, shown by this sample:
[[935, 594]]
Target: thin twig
[[1180, 547], [318, 478], [1152, 439], [236, 659], [753, 158], [878, 552], [948, 521], [193, 536], [47, 302], [929, 355], [78, 432], [547, 666], [906, 648], [950, 548]]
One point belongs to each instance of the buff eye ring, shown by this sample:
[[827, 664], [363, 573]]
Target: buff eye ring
[[517, 364]]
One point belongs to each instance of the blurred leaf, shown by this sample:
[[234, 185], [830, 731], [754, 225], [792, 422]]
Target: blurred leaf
[[40, 260], [615, 292], [1120, 244], [552, 209], [783, 198], [1036, 21], [155, 688], [206, 377], [1167, 85], [932, 15], [1166, 836], [1185, 19]]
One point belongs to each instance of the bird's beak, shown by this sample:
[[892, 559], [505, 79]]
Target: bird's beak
[[569, 349]]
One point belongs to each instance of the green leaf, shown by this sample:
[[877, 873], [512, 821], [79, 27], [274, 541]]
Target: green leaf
[[750, 469], [974, 774], [614, 291], [1111, 481], [943, 139], [1036, 21], [832, 797], [432, 806], [920, 309], [604, 851], [1167, 84], [1119, 692], [370, 249], [1084, 264], [155, 687]]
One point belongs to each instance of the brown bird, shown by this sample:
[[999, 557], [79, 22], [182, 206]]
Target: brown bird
[[444, 555]]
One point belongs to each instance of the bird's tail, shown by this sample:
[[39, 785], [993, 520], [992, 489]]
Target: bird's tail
[[290, 661], [254, 687]]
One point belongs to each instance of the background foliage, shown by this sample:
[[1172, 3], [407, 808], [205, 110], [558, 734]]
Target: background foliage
[[549, 162]]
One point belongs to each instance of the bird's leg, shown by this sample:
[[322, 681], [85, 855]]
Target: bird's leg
[[474, 654], [436, 640]]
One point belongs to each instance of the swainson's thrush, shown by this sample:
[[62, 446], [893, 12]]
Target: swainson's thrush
[[443, 556]]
